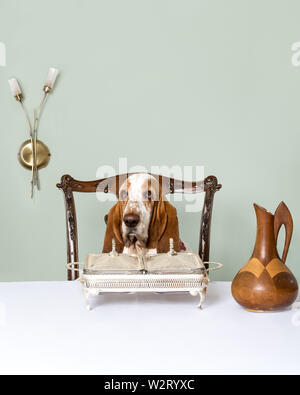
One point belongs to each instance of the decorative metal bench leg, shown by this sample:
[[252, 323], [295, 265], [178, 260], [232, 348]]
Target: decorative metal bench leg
[[86, 297], [202, 295]]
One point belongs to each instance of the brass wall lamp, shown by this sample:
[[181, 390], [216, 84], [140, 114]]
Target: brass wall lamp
[[33, 153]]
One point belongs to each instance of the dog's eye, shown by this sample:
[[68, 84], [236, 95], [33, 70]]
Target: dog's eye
[[148, 195], [123, 195]]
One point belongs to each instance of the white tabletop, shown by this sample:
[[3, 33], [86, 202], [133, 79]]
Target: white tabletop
[[45, 328]]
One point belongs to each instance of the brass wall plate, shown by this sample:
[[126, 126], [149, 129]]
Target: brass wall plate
[[26, 157]]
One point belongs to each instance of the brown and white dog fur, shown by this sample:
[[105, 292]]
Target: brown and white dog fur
[[142, 221]]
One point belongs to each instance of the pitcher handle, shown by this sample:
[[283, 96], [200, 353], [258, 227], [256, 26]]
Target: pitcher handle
[[283, 216]]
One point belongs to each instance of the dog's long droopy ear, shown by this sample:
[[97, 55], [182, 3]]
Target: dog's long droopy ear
[[113, 229], [163, 226], [158, 224], [171, 230]]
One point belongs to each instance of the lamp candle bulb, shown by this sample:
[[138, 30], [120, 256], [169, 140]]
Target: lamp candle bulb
[[50, 80], [15, 89]]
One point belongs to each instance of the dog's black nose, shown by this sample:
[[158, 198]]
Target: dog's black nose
[[131, 220]]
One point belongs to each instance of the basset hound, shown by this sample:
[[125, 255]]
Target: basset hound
[[143, 220]]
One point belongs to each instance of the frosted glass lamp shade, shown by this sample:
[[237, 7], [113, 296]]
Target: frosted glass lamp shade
[[15, 88], [51, 77]]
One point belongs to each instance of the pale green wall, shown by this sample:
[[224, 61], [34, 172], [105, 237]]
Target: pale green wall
[[161, 82]]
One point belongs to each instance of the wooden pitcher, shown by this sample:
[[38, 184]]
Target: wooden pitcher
[[265, 283]]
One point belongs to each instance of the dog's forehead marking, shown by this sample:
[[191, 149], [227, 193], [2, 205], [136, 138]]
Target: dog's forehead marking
[[138, 182]]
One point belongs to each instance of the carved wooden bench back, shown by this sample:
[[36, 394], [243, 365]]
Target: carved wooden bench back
[[111, 185]]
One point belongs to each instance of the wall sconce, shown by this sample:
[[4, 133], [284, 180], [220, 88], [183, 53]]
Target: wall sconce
[[33, 153]]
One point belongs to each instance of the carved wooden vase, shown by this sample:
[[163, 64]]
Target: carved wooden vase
[[265, 283]]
